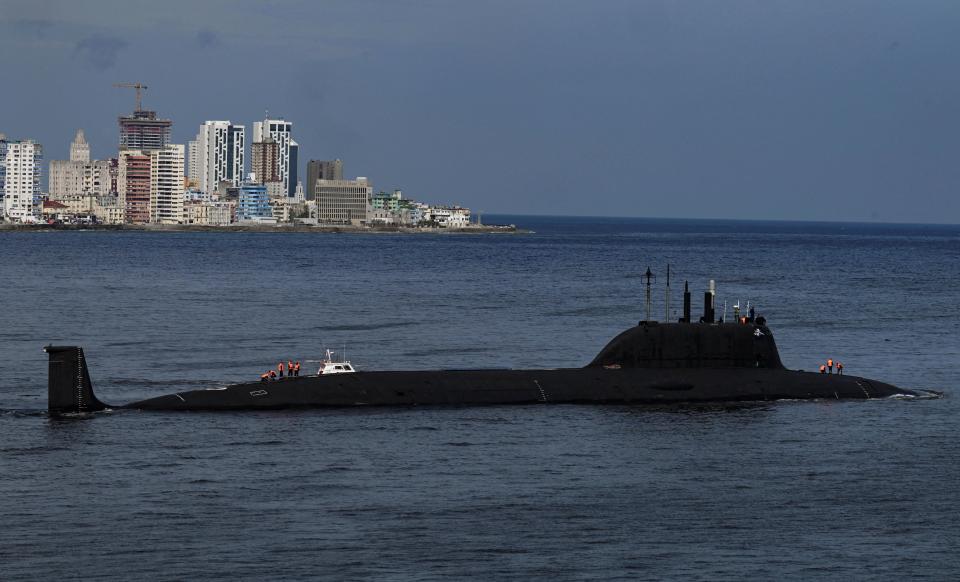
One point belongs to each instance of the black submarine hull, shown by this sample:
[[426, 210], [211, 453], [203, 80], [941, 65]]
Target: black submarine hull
[[647, 364], [487, 387]]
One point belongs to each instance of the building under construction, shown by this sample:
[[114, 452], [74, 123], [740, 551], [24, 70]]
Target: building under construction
[[143, 131]]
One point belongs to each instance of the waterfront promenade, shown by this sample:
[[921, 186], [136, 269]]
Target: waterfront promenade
[[299, 228]]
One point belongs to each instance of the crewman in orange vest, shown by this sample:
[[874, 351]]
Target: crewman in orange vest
[[289, 367], [830, 366], [823, 369], [280, 368], [839, 368], [296, 368]]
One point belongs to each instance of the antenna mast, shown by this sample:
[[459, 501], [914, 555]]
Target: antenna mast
[[666, 317], [649, 276]]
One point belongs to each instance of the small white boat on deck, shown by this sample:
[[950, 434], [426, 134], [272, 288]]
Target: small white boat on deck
[[329, 365]]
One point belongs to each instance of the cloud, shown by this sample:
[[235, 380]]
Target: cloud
[[101, 50], [207, 38], [35, 28]]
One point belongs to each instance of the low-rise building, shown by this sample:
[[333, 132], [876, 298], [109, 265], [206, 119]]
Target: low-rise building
[[209, 212], [387, 201], [252, 202], [108, 210], [383, 216], [343, 201], [53, 210], [447, 216]]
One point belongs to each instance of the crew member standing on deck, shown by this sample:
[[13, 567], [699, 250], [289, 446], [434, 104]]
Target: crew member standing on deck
[[290, 368], [296, 368], [280, 369], [823, 369], [829, 366], [840, 368]]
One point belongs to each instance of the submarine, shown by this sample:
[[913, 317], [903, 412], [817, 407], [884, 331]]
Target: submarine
[[652, 363]]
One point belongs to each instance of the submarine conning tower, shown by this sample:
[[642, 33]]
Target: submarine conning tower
[[747, 343], [691, 345]]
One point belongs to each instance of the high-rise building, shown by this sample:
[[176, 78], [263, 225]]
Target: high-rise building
[[143, 131], [3, 170], [343, 201], [217, 155], [166, 185], [133, 185], [79, 177], [294, 176], [21, 188], [322, 170], [280, 131], [263, 161]]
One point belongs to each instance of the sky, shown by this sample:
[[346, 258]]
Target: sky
[[765, 109]]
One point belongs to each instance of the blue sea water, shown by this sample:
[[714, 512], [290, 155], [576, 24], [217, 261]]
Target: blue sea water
[[801, 490]]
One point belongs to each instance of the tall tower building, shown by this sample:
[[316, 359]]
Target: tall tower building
[[294, 165], [133, 185], [263, 161], [280, 131], [21, 188], [217, 155], [322, 170], [166, 185], [143, 131], [79, 148]]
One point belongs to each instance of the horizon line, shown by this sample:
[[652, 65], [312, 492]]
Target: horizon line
[[689, 218]]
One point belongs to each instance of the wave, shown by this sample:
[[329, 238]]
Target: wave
[[921, 394], [367, 326], [441, 351]]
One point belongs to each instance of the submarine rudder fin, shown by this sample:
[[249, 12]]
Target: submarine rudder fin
[[69, 389]]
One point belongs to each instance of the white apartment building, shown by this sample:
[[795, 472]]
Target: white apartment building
[[217, 155], [281, 132], [166, 185], [21, 193], [448, 216]]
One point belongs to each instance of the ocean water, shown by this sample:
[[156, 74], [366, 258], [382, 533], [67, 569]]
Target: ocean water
[[801, 490]]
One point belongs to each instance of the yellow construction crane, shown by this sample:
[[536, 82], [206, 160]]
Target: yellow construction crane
[[138, 86]]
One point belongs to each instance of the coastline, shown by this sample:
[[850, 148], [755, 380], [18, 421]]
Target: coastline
[[292, 228]]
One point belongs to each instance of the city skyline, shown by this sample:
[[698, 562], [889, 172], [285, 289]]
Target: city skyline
[[812, 111]]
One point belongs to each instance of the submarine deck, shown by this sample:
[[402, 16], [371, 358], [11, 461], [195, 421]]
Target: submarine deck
[[473, 387]]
